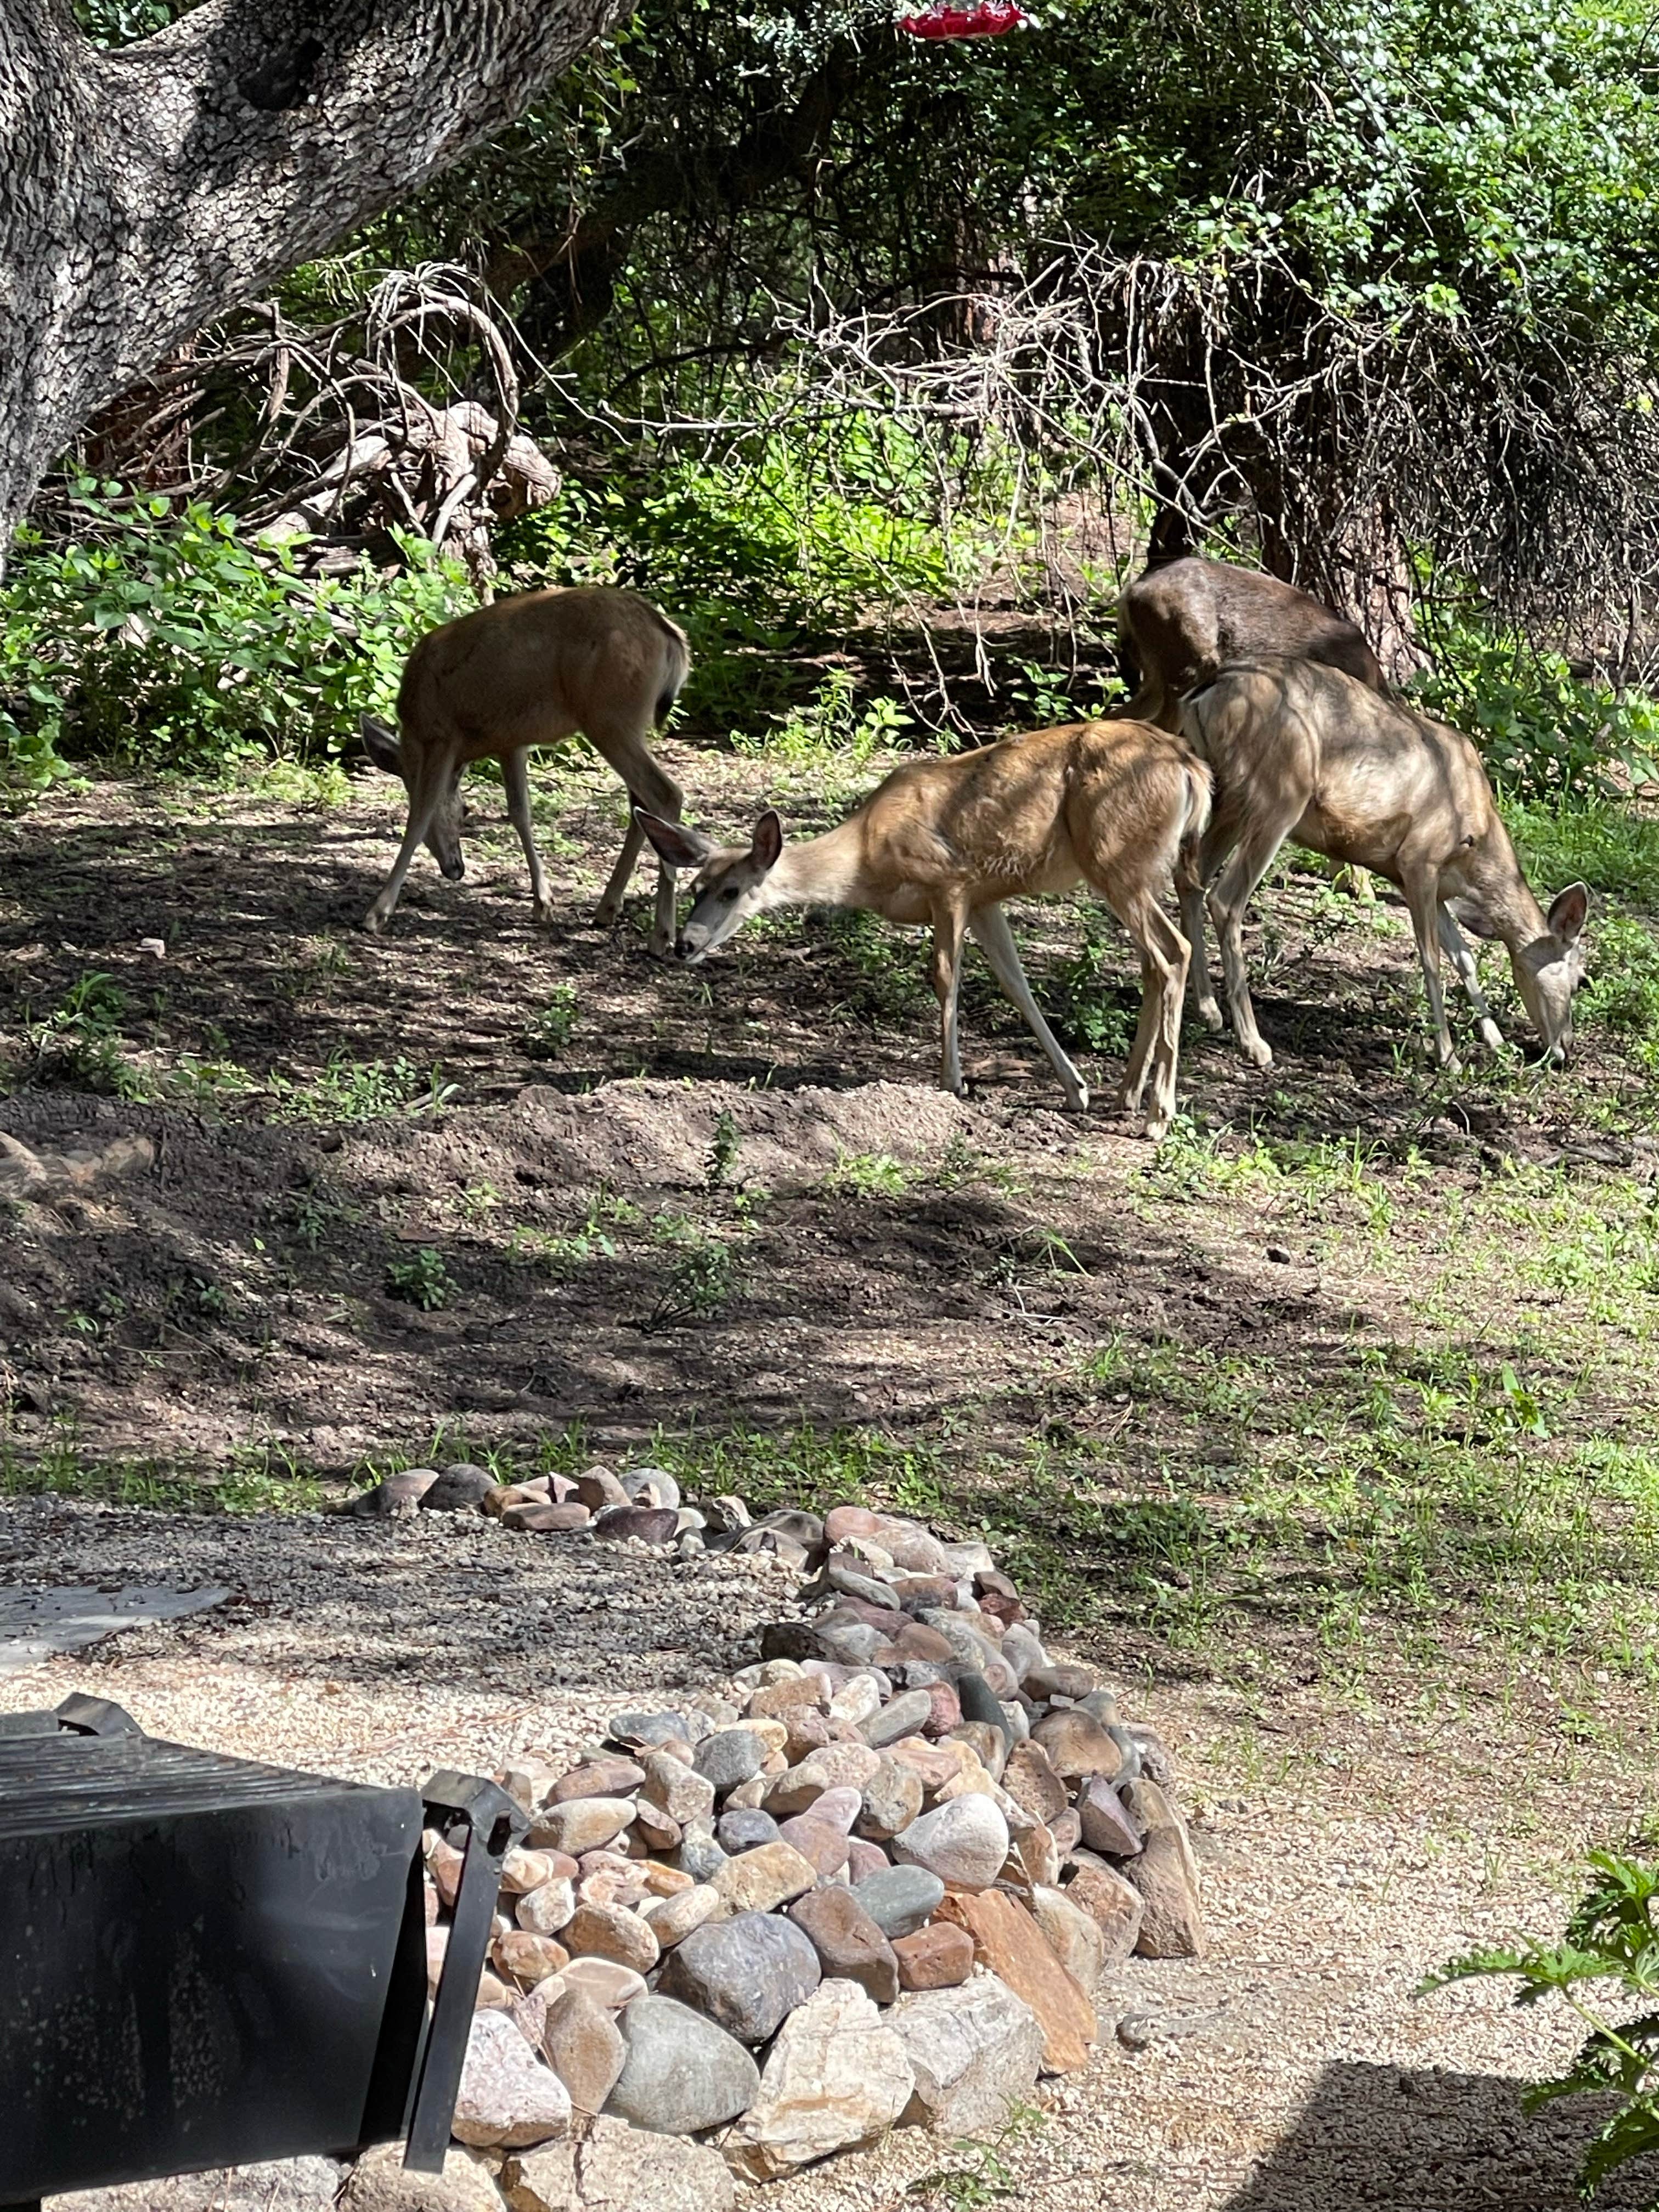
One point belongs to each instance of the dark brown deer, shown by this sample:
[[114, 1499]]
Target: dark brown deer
[[533, 671]]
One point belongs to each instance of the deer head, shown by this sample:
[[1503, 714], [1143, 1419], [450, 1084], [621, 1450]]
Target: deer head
[[731, 882], [443, 839]]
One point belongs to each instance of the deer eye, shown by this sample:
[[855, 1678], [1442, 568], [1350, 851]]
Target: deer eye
[[729, 893]]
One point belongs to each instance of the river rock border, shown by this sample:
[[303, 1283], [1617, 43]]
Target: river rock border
[[873, 1880]]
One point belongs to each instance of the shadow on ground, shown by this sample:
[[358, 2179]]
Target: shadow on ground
[[1388, 2139]]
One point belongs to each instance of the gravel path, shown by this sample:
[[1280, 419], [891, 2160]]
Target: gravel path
[[1290, 2071]]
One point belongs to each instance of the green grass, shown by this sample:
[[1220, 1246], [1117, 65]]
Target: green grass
[[1601, 844], [255, 1479]]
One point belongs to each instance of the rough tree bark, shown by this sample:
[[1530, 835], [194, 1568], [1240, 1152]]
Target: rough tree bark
[[147, 190]]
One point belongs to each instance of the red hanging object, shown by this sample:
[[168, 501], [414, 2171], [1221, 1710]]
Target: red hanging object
[[989, 19]]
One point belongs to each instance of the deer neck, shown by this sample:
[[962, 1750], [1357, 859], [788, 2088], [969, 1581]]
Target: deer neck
[[1504, 897], [826, 871]]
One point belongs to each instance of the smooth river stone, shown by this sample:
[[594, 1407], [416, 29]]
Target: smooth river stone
[[964, 1842], [761, 1880], [849, 1945], [683, 2073], [938, 1957], [906, 1715], [584, 1824], [746, 1973], [1077, 1744], [728, 1756], [820, 1843], [899, 1898], [673, 1918], [610, 1931], [891, 1799], [582, 2043], [599, 1778], [744, 1830]]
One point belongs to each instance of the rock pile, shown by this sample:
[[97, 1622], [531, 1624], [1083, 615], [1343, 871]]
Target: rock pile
[[873, 1881]]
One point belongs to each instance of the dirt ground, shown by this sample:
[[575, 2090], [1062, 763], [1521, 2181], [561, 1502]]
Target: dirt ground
[[644, 1203]]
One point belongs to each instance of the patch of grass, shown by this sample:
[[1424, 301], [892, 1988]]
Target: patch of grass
[[1602, 843], [349, 1089], [868, 1174], [256, 1478], [78, 1043], [702, 1277], [981, 2174]]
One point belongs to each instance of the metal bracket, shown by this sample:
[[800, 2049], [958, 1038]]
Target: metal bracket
[[95, 1717], [487, 1822]]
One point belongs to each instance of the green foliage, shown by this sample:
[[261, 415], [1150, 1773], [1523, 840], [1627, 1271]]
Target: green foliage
[[78, 1043], [551, 1027], [1603, 842], [1611, 1943], [1091, 1011], [1546, 736], [422, 1280], [723, 1148], [174, 640]]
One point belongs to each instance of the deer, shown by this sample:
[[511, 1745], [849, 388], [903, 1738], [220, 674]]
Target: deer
[[1186, 618], [528, 670], [1302, 750], [944, 841]]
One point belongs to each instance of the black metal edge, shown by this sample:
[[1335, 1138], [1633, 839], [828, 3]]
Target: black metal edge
[[493, 1822]]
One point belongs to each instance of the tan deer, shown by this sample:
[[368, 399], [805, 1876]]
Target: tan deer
[[533, 671], [945, 841], [1185, 620], [1303, 751]]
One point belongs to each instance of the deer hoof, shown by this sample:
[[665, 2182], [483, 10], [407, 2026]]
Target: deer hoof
[[1210, 1014], [606, 917], [1259, 1054], [542, 913], [1077, 1102], [374, 922]]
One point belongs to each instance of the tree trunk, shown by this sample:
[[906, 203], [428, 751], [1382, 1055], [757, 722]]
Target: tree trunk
[[149, 189]]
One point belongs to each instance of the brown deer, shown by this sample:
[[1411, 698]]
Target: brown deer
[[944, 841], [1182, 623], [532, 670], [1186, 619], [1303, 751]]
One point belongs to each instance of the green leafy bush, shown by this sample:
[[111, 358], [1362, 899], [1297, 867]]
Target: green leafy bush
[[1611, 1945], [1544, 734], [173, 640]]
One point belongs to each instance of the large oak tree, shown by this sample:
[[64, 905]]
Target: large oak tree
[[146, 189]]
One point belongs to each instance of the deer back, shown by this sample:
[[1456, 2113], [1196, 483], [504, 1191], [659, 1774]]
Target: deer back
[[1182, 622], [538, 667]]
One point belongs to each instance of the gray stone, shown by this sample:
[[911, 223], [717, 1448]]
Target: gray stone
[[647, 1524], [746, 1973], [974, 2052], [980, 1703], [899, 1898], [683, 2073], [699, 1855], [836, 2079], [729, 1757], [395, 1499], [640, 1730], [849, 1945], [744, 1828], [964, 1842], [461, 1488], [1107, 1824], [582, 2043], [1076, 1940], [904, 1717], [890, 1801], [636, 1480]]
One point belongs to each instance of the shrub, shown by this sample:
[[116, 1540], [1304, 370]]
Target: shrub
[[173, 640], [1611, 1945]]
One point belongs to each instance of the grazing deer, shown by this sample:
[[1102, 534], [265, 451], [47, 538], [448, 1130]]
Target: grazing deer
[[1181, 623], [945, 841], [532, 670], [1303, 751]]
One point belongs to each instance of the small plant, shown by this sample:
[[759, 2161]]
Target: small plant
[[422, 1280], [981, 2175], [361, 1091], [552, 1027], [79, 1042], [723, 1150], [1091, 1011], [868, 1174], [701, 1279], [1611, 1943]]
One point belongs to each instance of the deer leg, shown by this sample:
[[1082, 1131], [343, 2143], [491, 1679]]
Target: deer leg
[[1234, 888], [422, 805], [991, 932], [1164, 962], [1424, 905], [1189, 891], [657, 793], [1461, 955], [515, 775], [948, 924]]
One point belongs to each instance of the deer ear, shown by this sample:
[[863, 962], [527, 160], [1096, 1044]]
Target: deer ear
[[1568, 910], [381, 744], [767, 841], [680, 847]]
